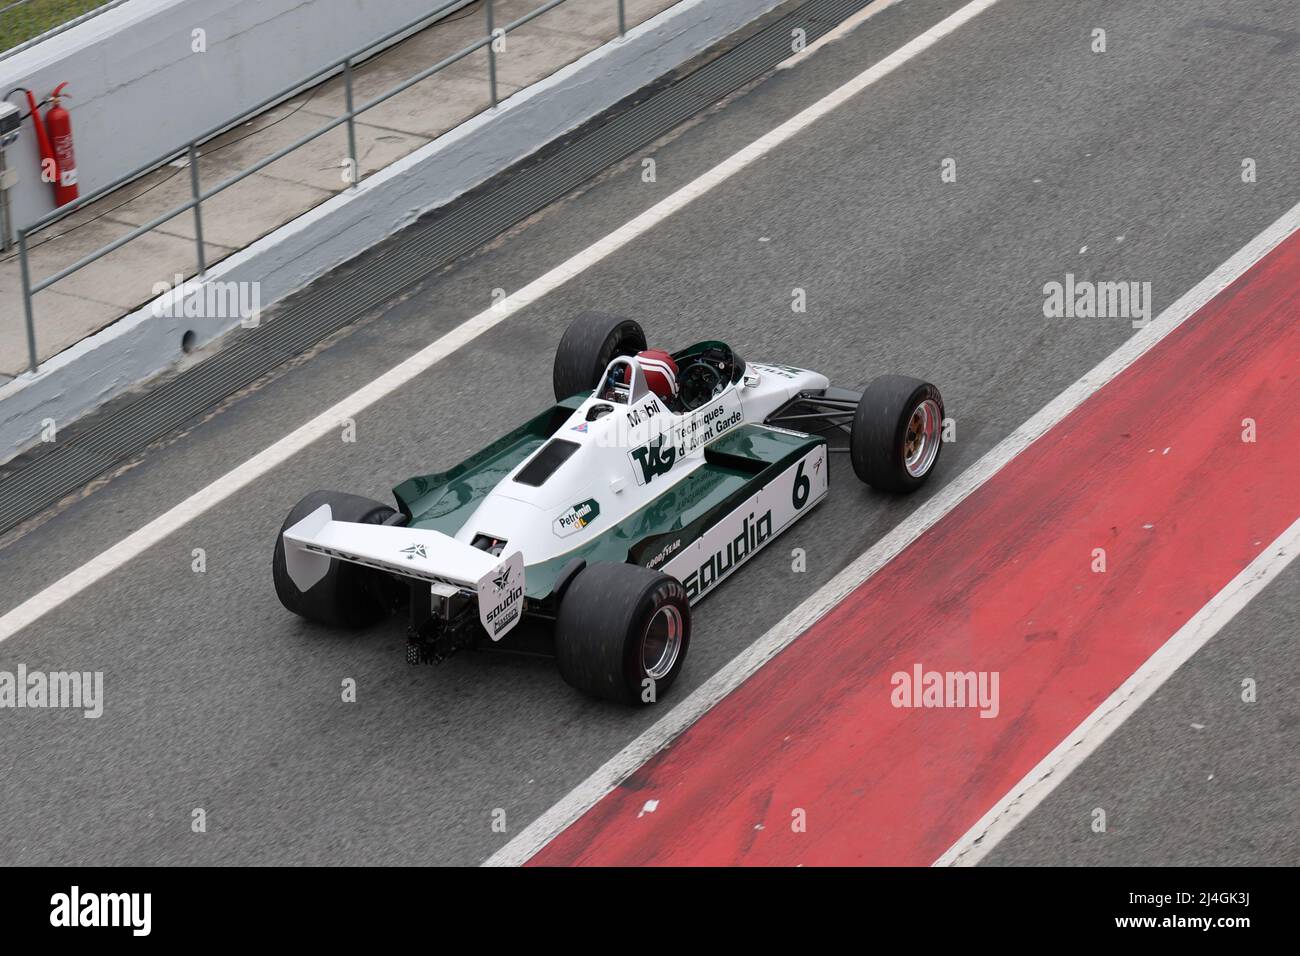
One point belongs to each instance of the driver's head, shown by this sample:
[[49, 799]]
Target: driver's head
[[660, 372]]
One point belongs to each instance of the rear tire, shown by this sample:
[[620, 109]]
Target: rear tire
[[349, 595], [897, 433], [589, 344], [619, 627]]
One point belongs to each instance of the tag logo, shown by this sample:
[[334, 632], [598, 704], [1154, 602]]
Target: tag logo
[[654, 459]]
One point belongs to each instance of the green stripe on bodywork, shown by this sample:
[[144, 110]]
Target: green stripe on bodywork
[[443, 501], [761, 453], [681, 505], [736, 465]]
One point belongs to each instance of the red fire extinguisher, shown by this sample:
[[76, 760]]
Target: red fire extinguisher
[[58, 123]]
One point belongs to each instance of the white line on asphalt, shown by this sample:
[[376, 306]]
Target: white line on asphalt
[[551, 823], [843, 30], [1119, 706], [281, 451]]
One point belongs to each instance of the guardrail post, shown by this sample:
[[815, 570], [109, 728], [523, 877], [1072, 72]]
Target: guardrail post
[[354, 171], [622, 20], [198, 207], [27, 300], [492, 54]]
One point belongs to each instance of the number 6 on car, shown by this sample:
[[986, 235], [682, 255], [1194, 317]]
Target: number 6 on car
[[650, 481]]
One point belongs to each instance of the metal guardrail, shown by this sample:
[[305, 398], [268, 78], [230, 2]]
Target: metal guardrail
[[191, 149]]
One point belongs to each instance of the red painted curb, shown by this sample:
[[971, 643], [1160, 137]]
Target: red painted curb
[[1152, 468]]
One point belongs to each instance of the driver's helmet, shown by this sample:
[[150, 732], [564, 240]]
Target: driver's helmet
[[660, 372]]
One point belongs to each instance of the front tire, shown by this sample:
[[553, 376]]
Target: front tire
[[349, 595], [622, 632], [897, 433], [589, 344]]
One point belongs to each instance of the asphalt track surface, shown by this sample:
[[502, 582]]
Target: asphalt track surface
[[217, 698]]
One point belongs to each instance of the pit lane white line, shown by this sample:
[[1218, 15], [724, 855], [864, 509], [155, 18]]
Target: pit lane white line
[[841, 31], [555, 820], [1052, 770], [135, 544]]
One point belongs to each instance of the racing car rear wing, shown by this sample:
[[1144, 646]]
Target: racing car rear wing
[[423, 554]]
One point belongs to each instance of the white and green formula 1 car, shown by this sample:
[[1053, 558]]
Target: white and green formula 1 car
[[648, 483]]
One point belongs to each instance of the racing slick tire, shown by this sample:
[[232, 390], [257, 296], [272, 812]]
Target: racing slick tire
[[349, 595], [897, 433], [589, 344], [622, 632]]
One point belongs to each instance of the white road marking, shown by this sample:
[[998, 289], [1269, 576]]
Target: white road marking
[[130, 547], [841, 31], [555, 820], [1053, 769]]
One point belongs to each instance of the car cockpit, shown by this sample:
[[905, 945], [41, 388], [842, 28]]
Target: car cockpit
[[704, 371], [685, 381]]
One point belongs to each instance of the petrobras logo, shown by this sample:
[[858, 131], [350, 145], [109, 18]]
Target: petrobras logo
[[754, 532], [576, 518]]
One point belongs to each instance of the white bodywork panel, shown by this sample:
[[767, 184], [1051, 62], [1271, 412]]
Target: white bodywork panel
[[608, 469], [624, 460], [419, 553], [743, 533], [501, 597]]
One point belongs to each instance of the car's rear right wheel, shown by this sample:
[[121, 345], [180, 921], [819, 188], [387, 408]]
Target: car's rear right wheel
[[622, 632]]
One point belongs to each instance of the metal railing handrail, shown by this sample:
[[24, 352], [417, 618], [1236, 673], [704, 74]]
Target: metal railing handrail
[[261, 106], [191, 149]]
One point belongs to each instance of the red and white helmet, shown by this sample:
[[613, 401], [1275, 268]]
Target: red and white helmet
[[660, 372]]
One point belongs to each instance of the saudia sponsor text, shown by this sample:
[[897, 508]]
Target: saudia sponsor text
[[506, 611], [753, 533]]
